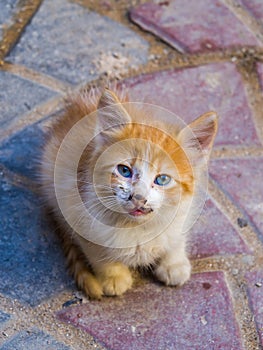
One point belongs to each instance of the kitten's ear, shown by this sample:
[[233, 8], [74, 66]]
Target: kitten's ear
[[200, 133], [111, 111]]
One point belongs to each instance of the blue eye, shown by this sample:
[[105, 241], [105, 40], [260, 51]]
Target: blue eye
[[124, 170], [162, 180]]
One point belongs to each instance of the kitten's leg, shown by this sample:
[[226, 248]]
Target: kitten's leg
[[174, 268], [115, 278], [78, 267]]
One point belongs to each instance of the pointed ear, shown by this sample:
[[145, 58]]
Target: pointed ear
[[111, 111], [200, 133]]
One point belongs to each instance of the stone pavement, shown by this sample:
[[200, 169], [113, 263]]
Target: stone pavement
[[190, 57]]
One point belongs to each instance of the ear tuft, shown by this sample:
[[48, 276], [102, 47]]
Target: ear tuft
[[200, 133], [111, 111], [108, 98]]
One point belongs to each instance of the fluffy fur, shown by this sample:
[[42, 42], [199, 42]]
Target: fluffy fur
[[100, 174]]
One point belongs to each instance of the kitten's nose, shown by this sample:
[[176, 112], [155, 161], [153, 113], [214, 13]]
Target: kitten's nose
[[138, 198]]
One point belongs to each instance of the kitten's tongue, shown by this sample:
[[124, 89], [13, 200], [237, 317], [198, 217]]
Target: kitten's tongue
[[137, 212]]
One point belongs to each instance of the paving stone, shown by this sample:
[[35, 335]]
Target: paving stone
[[213, 234], [192, 91], [22, 151], [7, 10], [3, 318], [255, 7], [32, 264], [241, 179], [33, 339], [73, 44], [196, 27], [255, 293], [151, 316], [18, 96]]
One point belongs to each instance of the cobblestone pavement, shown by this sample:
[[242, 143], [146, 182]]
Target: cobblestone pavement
[[190, 57]]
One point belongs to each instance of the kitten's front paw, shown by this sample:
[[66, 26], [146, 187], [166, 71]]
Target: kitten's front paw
[[115, 281], [175, 274]]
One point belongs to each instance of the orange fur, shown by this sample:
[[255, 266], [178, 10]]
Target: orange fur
[[111, 222]]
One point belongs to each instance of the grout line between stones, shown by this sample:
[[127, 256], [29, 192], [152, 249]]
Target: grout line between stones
[[243, 312], [33, 116], [246, 18], [24, 13], [43, 317], [37, 77], [254, 95], [229, 152]]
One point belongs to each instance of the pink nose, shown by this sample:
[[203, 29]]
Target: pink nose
[[138, 198]]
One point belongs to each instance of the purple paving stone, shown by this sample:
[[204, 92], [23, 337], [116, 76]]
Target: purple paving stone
[[242, 180], [196, 27], [213, 234], [255, 293], [151, 316], [255, 7], [192, 91]]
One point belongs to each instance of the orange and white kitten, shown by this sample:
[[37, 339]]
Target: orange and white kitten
[[125, 186]]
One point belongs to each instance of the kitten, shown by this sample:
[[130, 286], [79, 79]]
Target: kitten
[[125, 185]]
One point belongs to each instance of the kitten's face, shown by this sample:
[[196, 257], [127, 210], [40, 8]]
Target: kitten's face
[[137, 179], [141, 187]]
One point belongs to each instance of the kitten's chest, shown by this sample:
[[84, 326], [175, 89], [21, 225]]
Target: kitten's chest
[[143, 255]]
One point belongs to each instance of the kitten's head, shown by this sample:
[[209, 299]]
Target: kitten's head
[[142, 168]]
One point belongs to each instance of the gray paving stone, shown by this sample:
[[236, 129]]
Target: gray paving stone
[[21, 152], [32, 265], [197, 316], [7, 10], [73, 44], [33, 340], [18, 96], [3, 318]]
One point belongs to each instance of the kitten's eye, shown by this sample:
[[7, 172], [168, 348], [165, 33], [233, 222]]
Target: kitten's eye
[[124, 170], [162, 180]]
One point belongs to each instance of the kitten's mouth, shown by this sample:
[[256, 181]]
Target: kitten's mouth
[[140, 211]]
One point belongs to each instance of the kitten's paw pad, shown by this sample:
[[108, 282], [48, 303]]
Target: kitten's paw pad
[[117, 284], [175, 274]]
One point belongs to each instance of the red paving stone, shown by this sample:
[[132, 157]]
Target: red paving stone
[[242, 180], [213, 234], [255, 293], [198, 30], [192, 91], [151, 316]]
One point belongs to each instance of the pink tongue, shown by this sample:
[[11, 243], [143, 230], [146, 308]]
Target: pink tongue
[[137, 212]]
